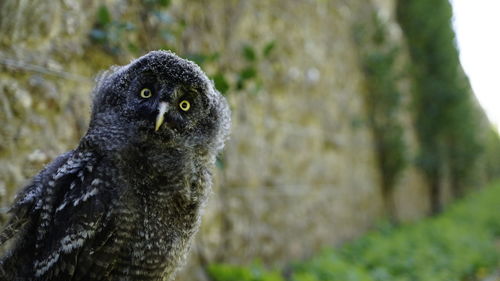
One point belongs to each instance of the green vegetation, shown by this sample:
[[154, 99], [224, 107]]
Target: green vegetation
[[129, 33], [461, 244], [383, 102], [154, 27], [445, 112], [492, 155]]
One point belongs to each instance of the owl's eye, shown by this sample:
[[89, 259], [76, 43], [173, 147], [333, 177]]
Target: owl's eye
[[184, 105], [146, 93]]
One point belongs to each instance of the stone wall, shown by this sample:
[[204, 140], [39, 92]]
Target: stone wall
[[299, 172]]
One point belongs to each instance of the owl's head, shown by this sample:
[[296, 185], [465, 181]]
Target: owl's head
[[159, 99]]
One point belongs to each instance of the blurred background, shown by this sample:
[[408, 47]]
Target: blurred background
[[348, 117]]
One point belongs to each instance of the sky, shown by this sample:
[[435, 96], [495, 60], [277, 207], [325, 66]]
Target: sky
[[477, 26]]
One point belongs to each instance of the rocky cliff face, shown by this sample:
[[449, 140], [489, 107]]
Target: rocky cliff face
[[301, 169]]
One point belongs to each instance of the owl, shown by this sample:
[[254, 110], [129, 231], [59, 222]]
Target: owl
[[126, 202]]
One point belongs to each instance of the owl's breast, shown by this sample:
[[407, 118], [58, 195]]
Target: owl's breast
[[154, 239]]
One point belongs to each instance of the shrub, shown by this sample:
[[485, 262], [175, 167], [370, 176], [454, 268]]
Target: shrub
[[460, 244], [446, 116]]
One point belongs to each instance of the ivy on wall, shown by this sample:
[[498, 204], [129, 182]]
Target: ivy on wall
[[152, 26], [383, 104]]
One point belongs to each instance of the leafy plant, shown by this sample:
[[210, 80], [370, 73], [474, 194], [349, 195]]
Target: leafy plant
[[255, 272], [460, 244], [152, 26], [250, 73], [118, 36], [383, 102], [245, 77], [110, 33]]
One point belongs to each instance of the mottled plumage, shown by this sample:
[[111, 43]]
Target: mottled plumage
[[125, 204]]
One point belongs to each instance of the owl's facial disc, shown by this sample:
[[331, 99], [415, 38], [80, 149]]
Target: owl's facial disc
[[162, 108]]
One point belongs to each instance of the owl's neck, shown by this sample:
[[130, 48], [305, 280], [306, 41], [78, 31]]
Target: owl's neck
[[149, 165], [108, 139]]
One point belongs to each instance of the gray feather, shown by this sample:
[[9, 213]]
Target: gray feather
[[125, 204]]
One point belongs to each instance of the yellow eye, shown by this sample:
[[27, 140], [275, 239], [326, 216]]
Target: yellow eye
[[146, 93], [184, 105]]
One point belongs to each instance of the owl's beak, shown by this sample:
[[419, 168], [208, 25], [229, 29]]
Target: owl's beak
[[162, 108]]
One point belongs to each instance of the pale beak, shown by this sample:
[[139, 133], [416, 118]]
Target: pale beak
[[162, 108]]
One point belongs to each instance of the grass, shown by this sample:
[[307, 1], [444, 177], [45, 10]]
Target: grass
[[462, 244]]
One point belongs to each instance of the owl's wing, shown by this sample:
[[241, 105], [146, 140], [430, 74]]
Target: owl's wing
[[25, 200], [64, 212]]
